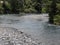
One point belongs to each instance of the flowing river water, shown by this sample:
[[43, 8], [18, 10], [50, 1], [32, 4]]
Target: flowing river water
[[34, 24]]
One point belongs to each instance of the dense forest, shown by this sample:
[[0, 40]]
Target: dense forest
[[52, 7]]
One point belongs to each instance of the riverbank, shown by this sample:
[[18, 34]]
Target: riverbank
[[11, 36]]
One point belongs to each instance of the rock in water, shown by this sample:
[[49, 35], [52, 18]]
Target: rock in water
[[11, 36]]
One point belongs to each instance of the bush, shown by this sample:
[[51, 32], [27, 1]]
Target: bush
[[30, 10], [8, 5], [44, 10], [57, 20]]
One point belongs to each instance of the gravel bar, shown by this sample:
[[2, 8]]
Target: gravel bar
[[11, 36]]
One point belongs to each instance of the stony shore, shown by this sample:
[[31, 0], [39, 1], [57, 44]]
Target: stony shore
[[11, 36]]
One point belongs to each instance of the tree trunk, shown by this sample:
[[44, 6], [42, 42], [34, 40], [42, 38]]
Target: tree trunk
[[52, 12]]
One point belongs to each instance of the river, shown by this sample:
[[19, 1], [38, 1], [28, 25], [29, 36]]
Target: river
[[34, 24]]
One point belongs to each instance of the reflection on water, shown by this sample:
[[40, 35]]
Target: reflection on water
[[36, 25]]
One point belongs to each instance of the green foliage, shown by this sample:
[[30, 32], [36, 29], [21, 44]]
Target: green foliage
[[8, 5], [17, 6], [57, 19], [30, 10], [29, 6], [44, 10], [58, 8], [38, 6]]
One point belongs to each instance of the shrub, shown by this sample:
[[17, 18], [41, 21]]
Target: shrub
[[30, 10], [58, 8], [57, 20]]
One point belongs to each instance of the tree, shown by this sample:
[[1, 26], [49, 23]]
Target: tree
[[52, 12], [16, 5], [6, 9], [38, 6]]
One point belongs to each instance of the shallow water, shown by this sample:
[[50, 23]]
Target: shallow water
[[34, 24]]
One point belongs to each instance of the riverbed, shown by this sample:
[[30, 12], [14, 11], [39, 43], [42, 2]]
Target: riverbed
[[35, 25]]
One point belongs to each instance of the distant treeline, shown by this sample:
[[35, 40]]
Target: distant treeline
[[27, 6]]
